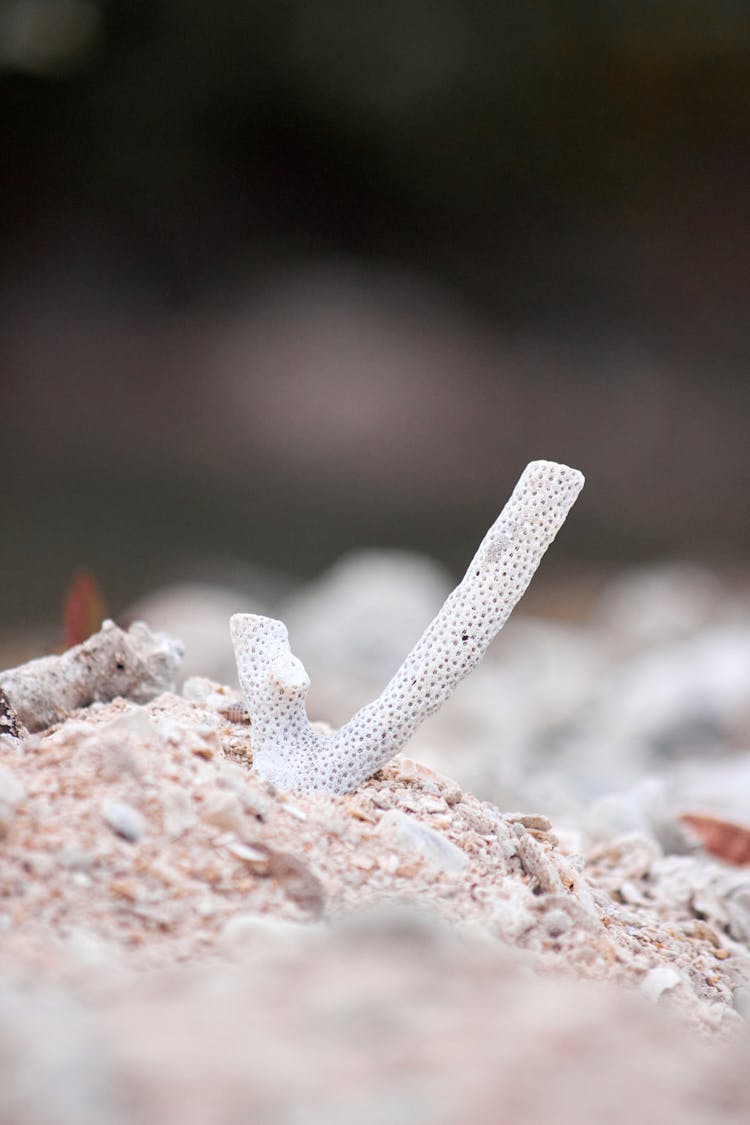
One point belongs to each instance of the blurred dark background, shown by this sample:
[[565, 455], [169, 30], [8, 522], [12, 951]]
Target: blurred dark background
[[281, 280]]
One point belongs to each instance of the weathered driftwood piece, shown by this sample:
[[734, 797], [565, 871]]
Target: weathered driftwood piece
[[136, 664], [274, 683]]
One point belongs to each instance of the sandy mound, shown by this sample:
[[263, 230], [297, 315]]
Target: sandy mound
[[182, 943]]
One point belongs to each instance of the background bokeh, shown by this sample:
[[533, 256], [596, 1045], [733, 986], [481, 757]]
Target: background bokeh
[[280, 280]]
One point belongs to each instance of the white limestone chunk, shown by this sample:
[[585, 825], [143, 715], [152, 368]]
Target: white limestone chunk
[[660, 979], [286, 749], [412, 835], [123, 819], [136, 664]]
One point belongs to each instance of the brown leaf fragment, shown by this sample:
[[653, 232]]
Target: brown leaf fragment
[[720, 838]]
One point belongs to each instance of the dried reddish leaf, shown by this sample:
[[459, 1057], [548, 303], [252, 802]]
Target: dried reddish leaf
[[83, 610], [722, 838]]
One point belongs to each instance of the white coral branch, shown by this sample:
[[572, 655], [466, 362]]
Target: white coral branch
[[274, 683]]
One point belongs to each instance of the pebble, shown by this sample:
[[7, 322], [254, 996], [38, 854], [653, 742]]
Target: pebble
[[432, 805], [297, 813], [255, 858], [537, 821], [123, 819], [254, 803], [413, 836], [179, 815], [738, 911], [632, 893], [199, 739], [359, 811], [389, 863], [222, 808], [557, 923], [73, 858], [659, 980], [511, 919], [363, 862]]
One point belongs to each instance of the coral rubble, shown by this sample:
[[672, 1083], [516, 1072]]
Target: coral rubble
[[289, 753]]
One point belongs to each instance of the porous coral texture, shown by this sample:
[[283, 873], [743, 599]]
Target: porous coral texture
[[291, 754]]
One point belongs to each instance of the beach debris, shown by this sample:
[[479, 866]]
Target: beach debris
[[136, 665], [123, 819], [721, 838]]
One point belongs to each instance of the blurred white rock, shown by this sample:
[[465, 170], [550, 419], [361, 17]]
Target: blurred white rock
[[677, 700], [648, 605]]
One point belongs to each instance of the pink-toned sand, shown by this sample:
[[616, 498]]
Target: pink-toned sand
[[181, 943]]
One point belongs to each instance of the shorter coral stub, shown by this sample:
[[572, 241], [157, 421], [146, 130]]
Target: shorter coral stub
[[274, 683]]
